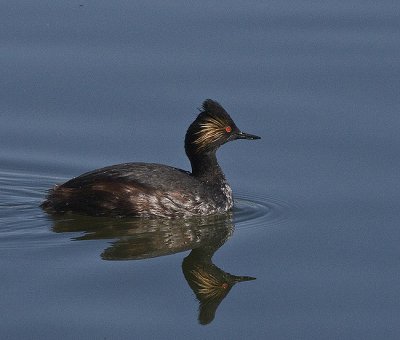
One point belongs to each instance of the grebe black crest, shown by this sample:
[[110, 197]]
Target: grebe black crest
[[147, 189]]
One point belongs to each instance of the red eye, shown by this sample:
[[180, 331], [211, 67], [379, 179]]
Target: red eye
[[228, 129]]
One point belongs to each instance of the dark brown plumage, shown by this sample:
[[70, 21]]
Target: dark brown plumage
[[142, 189]]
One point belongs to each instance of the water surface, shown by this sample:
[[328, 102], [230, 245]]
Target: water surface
[[316, 220]]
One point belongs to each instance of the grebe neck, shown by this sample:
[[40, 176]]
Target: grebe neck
[[205, 167]]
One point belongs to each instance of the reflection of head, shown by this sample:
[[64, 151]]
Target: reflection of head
[[209, 283]]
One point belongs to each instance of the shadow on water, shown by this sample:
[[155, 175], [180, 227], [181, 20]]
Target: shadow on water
[[137, 239]]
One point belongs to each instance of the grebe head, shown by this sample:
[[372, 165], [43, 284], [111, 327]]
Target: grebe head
[[212, 128]]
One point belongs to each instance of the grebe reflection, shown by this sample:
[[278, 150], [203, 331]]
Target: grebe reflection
[[137, 239]]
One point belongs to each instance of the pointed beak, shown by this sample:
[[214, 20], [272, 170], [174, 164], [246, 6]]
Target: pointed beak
[[243, 278], [243, 135]]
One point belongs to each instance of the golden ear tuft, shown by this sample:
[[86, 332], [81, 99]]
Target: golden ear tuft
[[211, 130]]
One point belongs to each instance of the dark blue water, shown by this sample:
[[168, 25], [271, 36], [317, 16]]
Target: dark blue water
[[86, 84]]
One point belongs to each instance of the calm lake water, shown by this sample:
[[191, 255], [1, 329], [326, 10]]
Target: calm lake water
[[86, 84]]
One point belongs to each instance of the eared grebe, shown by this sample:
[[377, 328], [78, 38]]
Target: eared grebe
[[145, 189]]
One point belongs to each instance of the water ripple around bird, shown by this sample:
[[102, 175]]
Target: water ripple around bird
[[255, 211]]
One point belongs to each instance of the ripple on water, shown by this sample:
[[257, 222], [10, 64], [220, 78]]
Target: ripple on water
[[252, 211], [22, 222]]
